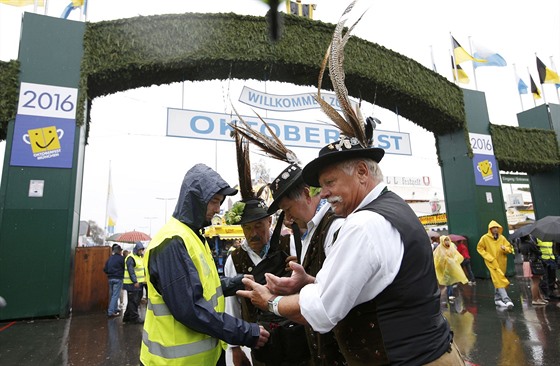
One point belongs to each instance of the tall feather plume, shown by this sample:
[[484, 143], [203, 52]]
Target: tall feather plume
[[272, 146], [243, 167], [351, 123]]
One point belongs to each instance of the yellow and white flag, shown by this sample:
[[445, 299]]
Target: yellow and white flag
[[111, 208], [23, 2]]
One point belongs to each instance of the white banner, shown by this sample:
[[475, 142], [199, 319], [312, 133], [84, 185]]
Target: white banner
[[214, 126], [47, 101], [481, 144], [286, 103]]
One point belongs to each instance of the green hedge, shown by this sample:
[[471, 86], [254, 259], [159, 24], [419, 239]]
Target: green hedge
[[155, 50], [9, 91], [528, 150]]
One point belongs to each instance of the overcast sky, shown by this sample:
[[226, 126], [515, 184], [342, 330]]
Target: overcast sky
[[128, 129]]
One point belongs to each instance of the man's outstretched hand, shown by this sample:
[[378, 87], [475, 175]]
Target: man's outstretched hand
[[257, 293], [289, 285]]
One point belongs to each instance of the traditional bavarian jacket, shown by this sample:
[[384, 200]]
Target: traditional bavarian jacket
[[401, 323], [323, 347]]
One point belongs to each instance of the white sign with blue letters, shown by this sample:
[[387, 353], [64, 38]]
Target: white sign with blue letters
[[214, 126]]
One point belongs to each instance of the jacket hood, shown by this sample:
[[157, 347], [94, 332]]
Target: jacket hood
[[492, 224], [442, 239], [199, 185], [137, 247]]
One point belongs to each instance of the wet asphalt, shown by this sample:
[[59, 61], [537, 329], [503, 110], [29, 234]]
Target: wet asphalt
[[486, 334]]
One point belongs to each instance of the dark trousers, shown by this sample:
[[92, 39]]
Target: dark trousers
[[549, 277], [222, 360], [131, 313], [466, 264]]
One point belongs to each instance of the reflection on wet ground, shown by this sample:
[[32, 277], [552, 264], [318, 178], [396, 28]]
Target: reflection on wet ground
[[490, 335], [487, 335]]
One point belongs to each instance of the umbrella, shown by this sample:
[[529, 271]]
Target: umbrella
[[547, 228], [113, 237], [132, 237], [522, 231], [433, 234], [455, 238]]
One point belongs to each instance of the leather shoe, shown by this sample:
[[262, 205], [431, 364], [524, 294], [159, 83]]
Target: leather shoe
[[135, 321], [114, 315]]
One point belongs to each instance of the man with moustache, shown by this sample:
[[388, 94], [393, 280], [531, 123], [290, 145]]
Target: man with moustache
[[318, 225], [261, 252], [377, 289]]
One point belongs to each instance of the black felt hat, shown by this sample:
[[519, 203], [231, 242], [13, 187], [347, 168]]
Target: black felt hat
[[255, 209], [288, 179], [335, 152]]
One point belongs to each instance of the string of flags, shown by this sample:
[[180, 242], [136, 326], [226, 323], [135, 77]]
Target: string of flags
[[483, 56]]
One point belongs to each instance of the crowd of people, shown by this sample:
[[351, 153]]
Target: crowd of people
[[540, 263], [354, 282], [125, 273]]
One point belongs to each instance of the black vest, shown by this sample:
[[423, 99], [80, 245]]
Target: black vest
[[287, 344], [406, 316], [323, 347]]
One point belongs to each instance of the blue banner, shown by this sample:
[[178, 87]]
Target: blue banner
[[486, 170], [43, 142]]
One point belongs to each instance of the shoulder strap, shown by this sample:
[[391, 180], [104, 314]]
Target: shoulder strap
[[297, 240]]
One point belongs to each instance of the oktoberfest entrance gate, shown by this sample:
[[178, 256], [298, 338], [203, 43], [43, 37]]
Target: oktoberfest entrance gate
[[63, 65]]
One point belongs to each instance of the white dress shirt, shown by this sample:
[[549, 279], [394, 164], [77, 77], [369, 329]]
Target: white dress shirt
[[311, 227], [362, 262], [233, 303]]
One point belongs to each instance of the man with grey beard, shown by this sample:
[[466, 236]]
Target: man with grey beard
[[377, 289]]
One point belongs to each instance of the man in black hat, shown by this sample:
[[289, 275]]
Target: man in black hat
[[260, 253], [317, 225], [377, 289]]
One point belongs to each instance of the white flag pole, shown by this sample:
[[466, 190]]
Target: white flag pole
[[432, 56], [555, 85], [473, 67], [542, 84], [107, 201], [531, 82], [455, 71], [517, 85]]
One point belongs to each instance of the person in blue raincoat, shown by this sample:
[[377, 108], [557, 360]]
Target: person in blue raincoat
[[185, 319]]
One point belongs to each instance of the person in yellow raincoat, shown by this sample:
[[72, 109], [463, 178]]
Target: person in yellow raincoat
[[494, 248], [447, 261]]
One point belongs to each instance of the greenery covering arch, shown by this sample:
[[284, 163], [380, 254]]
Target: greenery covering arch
[[155, 50]]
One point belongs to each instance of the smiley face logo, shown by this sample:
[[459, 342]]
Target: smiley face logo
[[485, 168], [43, 139]]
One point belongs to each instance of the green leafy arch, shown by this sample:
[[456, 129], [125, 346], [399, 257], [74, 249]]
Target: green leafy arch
[[154, 50]]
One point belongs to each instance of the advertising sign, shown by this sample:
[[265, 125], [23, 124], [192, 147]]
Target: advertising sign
[[484, 163], [286, 103], [214, 126], [44, 127], [485, 170]]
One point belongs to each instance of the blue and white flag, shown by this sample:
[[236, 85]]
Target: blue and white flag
[[521, 86], [492, 58]]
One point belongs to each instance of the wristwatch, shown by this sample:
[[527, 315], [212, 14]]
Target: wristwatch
[[271, 304]]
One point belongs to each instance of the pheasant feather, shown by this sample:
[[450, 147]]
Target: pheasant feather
[[351, 123], [243, 167], [272, 146]]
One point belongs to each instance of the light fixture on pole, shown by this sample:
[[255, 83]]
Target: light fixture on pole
[[150, 218], [165, 199]]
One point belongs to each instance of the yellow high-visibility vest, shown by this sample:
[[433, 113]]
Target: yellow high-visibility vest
[[138, 270], [165, 341], [546, 249]]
